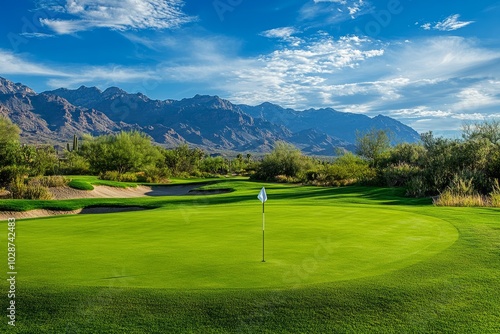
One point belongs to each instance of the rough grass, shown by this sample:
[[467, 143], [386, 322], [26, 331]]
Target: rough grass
[[120, 266]]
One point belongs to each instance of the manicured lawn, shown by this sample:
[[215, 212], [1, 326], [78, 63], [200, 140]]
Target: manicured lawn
[[347, 260]]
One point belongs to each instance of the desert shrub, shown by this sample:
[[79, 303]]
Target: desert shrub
[[119, 177], [9, 173], [80, 185], [110, 176], [154, 175], [48, 181], [214, 165], [127, 177], [75, 164], [20, 190], [286, 160], [285, 179], [398, 175], [448, 198], [416, 186], [495, 200], [495, 194], [461, 192], [461, 186], [37, 192], [17, 187], [347, 169]]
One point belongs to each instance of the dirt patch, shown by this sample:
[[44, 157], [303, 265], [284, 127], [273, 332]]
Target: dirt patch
[[4, 215]]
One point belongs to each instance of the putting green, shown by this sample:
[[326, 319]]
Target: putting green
[[205, 247]]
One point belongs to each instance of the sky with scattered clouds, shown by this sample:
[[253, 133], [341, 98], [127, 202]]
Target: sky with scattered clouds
[[432, 65]]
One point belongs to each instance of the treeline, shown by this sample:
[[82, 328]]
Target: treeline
[[456, 171], [126, 156], [461, 171]]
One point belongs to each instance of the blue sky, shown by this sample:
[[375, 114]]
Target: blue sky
[[432, 65]]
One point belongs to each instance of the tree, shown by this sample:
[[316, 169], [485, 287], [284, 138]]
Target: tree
[[9, 142], [285, 160], [372, 145], [123, 152], [214, 165], [182, 159], [489, 130]]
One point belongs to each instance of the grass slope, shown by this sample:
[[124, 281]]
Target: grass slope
[[391, 265]]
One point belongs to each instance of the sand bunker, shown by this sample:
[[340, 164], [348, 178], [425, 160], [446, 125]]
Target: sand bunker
[[113, 192], [4, 215], [63, 193]]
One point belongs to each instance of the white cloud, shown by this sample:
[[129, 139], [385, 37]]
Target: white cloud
[[69, 76], [36, 35], [285, 34], [10, 63], [426, 26], [115, 14], [282, 33], [451, 23], [333, 11]]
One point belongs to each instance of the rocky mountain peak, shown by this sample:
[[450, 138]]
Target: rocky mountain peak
[[8, 87]]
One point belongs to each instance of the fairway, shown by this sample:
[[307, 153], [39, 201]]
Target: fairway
[[338, 260], [220, 246]]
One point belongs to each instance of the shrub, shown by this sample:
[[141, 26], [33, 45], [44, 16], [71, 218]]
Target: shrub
[[127, 177], [37, 192], [75, 164], [17, 187], [80, 185], [398, 175], [346, 170], [110, 176], [448, 198], [416, 186], [285, 179], [154, 175], [49, 181], [9, 173], [286, 160], [20, 190]]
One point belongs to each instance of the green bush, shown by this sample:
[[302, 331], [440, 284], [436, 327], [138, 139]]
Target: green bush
[[398, 175], [80, 185], [110, 176], [9, 173], [154, 175], [416, 186], [286, 160]]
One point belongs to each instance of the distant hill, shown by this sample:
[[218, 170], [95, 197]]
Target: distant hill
[[204, 121]]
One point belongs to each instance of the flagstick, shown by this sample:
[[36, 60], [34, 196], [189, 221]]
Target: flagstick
[[263, 229]]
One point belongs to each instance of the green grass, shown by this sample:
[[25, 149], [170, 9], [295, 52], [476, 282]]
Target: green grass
[[80, 185], [345, 260], [95, 180]]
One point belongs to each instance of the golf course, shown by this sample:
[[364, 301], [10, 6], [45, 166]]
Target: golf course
[[338, 260]]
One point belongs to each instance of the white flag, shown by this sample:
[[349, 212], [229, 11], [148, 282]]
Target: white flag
[[262, 195]]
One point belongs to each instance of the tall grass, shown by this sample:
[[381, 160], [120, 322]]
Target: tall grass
[[461, 193]]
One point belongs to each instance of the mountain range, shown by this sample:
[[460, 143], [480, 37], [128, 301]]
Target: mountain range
[[208, 122]]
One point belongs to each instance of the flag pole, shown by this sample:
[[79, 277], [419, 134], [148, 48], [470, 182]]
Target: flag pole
[[263, 229]]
